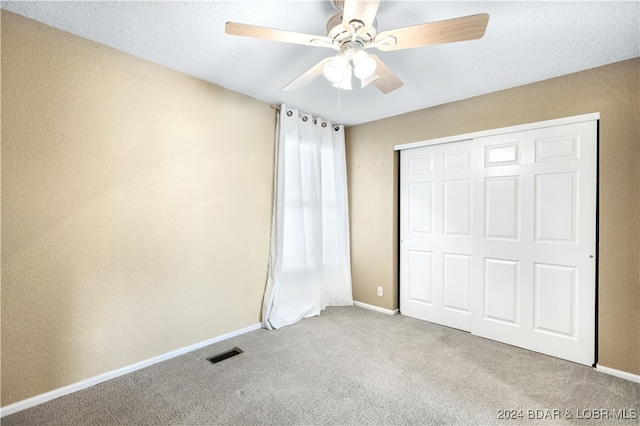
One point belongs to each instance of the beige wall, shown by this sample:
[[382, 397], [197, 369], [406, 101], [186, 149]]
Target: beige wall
[[136, 206], [612, 90]]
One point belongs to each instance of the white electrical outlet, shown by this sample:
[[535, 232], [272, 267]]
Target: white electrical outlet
[[379, 291]]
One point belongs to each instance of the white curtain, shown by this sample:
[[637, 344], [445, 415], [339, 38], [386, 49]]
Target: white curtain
[[309, 264]]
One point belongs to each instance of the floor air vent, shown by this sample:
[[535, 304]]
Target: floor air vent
[[224, 355]]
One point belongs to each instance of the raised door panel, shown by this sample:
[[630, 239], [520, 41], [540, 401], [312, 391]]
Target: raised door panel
[[502, 291], [457, 282], [458, 197], [555, 300], [556, 218], [421, 207], [502, 208], [420, 277]]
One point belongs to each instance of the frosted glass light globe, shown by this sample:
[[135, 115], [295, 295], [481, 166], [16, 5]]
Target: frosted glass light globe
[[363, 65], [334, 70]]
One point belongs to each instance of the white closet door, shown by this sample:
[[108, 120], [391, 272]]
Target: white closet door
[[436, 229], [498, 238], [535, 258]]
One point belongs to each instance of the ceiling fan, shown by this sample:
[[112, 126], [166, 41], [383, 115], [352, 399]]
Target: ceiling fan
[[353, 30]]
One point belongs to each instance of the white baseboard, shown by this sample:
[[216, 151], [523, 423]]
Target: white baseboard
[[376, 308], [92, 381], [622, 374]]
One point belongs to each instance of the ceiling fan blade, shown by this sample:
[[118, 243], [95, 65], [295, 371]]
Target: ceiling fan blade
[[360, 10], [364, 82], [450, 30], [246, 30], [308, 76], [387, 82]]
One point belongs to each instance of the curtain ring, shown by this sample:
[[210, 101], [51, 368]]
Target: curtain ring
[[289, 113], [305, 118], [324, 124], [315, 121], [336, 128]]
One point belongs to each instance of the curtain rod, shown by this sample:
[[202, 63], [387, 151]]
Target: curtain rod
[[277, 108]]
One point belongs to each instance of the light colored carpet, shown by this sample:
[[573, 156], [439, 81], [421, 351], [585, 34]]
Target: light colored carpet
[[348, 366]]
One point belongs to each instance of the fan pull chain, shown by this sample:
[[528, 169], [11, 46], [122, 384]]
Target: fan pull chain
[[338, 96]]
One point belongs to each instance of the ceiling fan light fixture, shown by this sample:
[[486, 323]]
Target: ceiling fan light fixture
[[345, 83], [331, 73], [334, 70], [363, 65]]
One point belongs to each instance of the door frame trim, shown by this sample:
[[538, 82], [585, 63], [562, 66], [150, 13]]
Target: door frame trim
[[502, 130]]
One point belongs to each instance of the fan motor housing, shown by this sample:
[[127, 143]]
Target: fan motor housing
[[339, 35]]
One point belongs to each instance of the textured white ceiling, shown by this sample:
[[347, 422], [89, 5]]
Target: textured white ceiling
[[524, 42]]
